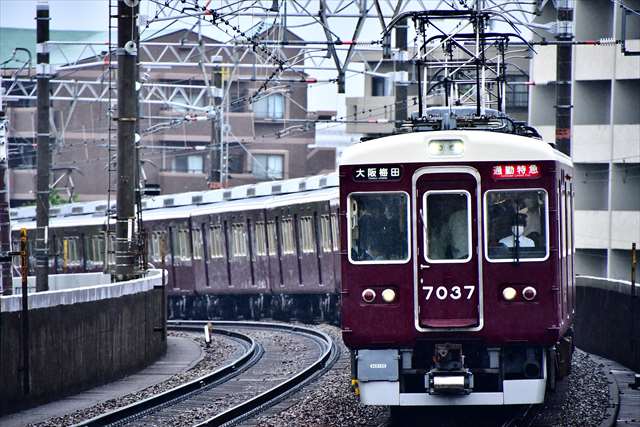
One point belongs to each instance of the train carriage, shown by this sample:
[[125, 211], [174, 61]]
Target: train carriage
[[457, 267]]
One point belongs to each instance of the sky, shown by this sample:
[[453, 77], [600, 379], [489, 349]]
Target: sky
[[93, 15]]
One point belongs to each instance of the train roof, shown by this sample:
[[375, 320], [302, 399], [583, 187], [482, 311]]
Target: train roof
[[479, 146], [25, 214], [317, 188]]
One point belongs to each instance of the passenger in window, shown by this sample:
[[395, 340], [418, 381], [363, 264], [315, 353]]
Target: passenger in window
[[375, 248], [458, 234], [370, 222], [531, 210], [517, 234]]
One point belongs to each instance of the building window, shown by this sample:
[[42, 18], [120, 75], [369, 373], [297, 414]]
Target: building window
[[22, 153], [377, 86], [189, 164], [267, 166], [271, 107], [517, 92]]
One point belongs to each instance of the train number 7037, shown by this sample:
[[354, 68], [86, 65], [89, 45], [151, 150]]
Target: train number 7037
[[455, 293]]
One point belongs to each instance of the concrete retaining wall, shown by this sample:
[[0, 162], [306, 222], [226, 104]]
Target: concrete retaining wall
[[608, 319], [59, 282], [79, 338]]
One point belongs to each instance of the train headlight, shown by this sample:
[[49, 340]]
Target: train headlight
[[509, 293], [368, 295], [389, 295], [448, 147], [529, 293]]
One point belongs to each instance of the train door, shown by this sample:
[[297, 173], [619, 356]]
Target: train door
[[447, 288]]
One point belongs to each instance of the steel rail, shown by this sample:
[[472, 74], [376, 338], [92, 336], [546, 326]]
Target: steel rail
[[279, 392], [252, 354]]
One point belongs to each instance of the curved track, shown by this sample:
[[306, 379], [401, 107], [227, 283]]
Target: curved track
[[252, 382]]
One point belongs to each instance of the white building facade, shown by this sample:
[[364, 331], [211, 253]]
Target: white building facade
[[605, 133]]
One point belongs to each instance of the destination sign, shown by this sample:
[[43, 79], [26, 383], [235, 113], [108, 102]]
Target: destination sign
[[378, 173]]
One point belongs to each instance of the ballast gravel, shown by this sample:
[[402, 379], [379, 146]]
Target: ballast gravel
[[285, 355], [215, 356], [329, 401], [581, 400]]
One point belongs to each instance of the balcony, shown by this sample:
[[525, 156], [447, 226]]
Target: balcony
[[625, 143], [628, 67], [543, 65], [591, 143], [626, 229], [591, 229], [594, 62]]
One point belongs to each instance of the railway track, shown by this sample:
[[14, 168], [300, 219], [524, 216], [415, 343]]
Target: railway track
[[277, 359]]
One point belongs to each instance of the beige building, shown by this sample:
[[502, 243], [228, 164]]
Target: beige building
[[269, 137], [606, 133]]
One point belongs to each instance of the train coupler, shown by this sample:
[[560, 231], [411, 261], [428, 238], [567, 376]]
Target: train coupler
[[449, 375], [449, 382]]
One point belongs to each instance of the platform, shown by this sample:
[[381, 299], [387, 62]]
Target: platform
[[627, 399], [182, 354]]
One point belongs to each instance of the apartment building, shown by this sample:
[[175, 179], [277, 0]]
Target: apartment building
[[606, 132], [378, 102], [269, 137]]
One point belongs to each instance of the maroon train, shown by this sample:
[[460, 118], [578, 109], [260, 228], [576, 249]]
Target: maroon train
[[264, 250], [457, 267]]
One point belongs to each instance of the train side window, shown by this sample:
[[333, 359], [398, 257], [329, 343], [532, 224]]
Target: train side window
[[378, 225], [96, 249], [111, 249], [216, 238], [563, 219], [307, 240], [238, 240], [286, 231], [70, 250], [334, 232], [272, 238], [197, 243], [185, 248], [154, 247], [516, 225], [260, 239], [325, 233], [446, 219]]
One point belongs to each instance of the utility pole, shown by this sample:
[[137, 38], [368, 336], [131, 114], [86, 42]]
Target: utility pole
[[215, 151], [400, 61], [127, 52], [43, 74], [5, 219], [564, 33]]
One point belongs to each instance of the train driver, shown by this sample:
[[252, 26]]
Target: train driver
[[517, 234]]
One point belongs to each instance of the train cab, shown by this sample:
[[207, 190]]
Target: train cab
[[457, 267]]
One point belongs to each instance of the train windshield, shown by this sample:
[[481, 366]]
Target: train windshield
[[447, 226], [378, 225], [517, 225]]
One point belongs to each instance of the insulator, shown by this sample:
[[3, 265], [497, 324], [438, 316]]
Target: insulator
[[608, 41]]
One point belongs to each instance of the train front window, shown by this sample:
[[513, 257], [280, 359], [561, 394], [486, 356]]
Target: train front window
[[378, 227], [516, 225], [447, 226]]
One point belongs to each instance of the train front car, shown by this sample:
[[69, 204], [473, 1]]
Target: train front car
[[457, 267]]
